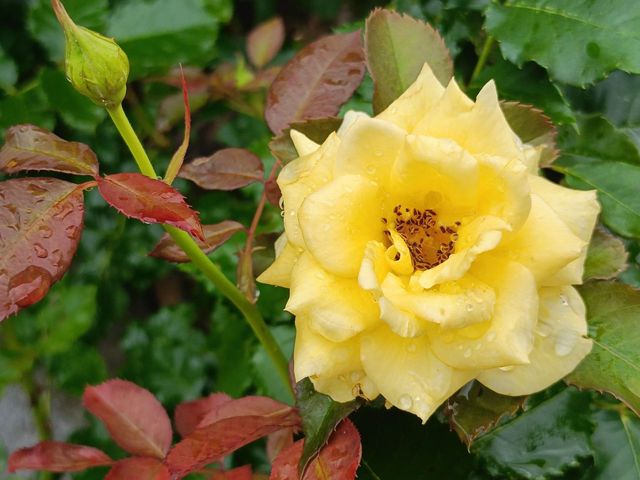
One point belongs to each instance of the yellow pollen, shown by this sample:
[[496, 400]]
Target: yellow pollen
[[430, 242]]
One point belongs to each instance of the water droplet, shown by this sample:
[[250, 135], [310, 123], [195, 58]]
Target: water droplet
[[469, 307], [411, 347], [377, 153], [467, 353], [355, 376], [281, 203], [64, 210], [292, 213], [342, 378], [405, 402], [593, 50], [565, 342], [563, 300], [56, 258], [478, 346], [41, 252], [506, 369], [36, 189], [72, 232], [491, 336], [166, 195], [45, 231], [29, 286], [282, 213]]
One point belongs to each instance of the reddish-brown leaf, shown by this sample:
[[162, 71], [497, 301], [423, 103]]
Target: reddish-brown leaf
[[231, 426], [149, 200], [134, 417], [28, 147], [533, 127], [227, 169], [265, 41], [178, 157], [140, 468], [245, 279], [338, 459], [40, 226], [240, 473], [317, 130], [317, 81], [189, 414], [215, 236], [57, 457], [278, 441], [272, 191]]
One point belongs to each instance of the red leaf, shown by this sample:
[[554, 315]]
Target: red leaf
[[149, 200], [265, 41], [233, 425], [176, 161], [272, 190], [278, 441], [215, 236], [57, 457], [227, 169], [40, 226], [28, 147], [317, 81], [338, 459], [240, 473], [189, 414], [140, 468], [134, 417]]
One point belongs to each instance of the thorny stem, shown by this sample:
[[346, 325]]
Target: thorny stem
[[482, 60], [201, 261]]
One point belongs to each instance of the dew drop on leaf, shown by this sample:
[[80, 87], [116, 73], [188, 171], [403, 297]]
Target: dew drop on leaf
[[29, 286]]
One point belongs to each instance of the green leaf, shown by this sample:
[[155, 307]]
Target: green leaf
[[578, 41], [475, 410], [613, 365], [28, 106], [547, 440], [74, 108], [320, 415], [45, 28], [396, 47], [529, 84], [606, 256], [267, 379], [8, 71], [604, 159], [172, 32], [396, 446], [76, 368]]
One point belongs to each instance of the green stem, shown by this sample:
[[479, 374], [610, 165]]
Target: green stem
[[40, 401], [202, 262], [482, 60]]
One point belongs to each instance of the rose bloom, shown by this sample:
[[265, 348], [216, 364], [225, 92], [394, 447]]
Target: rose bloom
[[423, 250]]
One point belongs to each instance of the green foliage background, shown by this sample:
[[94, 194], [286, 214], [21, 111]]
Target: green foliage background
[[121, 313]]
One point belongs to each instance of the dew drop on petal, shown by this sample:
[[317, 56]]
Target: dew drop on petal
[[405, 402], [355, 376], [491, 336], [506, 369], [565, 342], [467, 353]]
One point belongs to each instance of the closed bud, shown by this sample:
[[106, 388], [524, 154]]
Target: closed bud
[[94, 64]]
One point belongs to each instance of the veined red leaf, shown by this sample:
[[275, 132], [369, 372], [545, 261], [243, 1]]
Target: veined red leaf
[[149, 200], [233, 425], [240, 473], [215, 235], [140, 468], [189, 414], [178, 157], [265, 41], [40, 226], [227, 169], [317, 81], [57, 457], [278, 441], [28, 147], [134, 417], [338, 460]]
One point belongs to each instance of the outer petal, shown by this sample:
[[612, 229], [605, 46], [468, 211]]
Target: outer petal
[[369, 148], [416, 102], [407, 373], [279, 272], [339, 220], [544, 244], [478, 127], [335, 307], [578, 209], [304, 145], [301, 177], [334, 368], [373, 269], [560, 345], [507, 338]]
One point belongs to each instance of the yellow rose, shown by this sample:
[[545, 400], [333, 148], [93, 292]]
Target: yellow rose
[[423, 250]]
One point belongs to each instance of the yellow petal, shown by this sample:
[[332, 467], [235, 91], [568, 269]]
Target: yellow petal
[[560, 345], [369, 147], [334, 368], [578, 209], [398, 255], [507, 338], [279, 272], [478, 127], [373, 269], [335, 307], [299, 178], [416, 102], [544, 244], [304, 145], [407, 373], [338, 221]]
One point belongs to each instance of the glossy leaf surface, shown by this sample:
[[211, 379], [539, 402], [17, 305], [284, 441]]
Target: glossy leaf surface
[[227, 169], [265, 41], [317, 81], [140, 468], [40, 227], [135, 419], [28, 147], [215, 235], [189, 414], [149, 200], [57, 457], [606, 257]]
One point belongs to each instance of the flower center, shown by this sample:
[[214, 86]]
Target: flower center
[[429, 241]]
